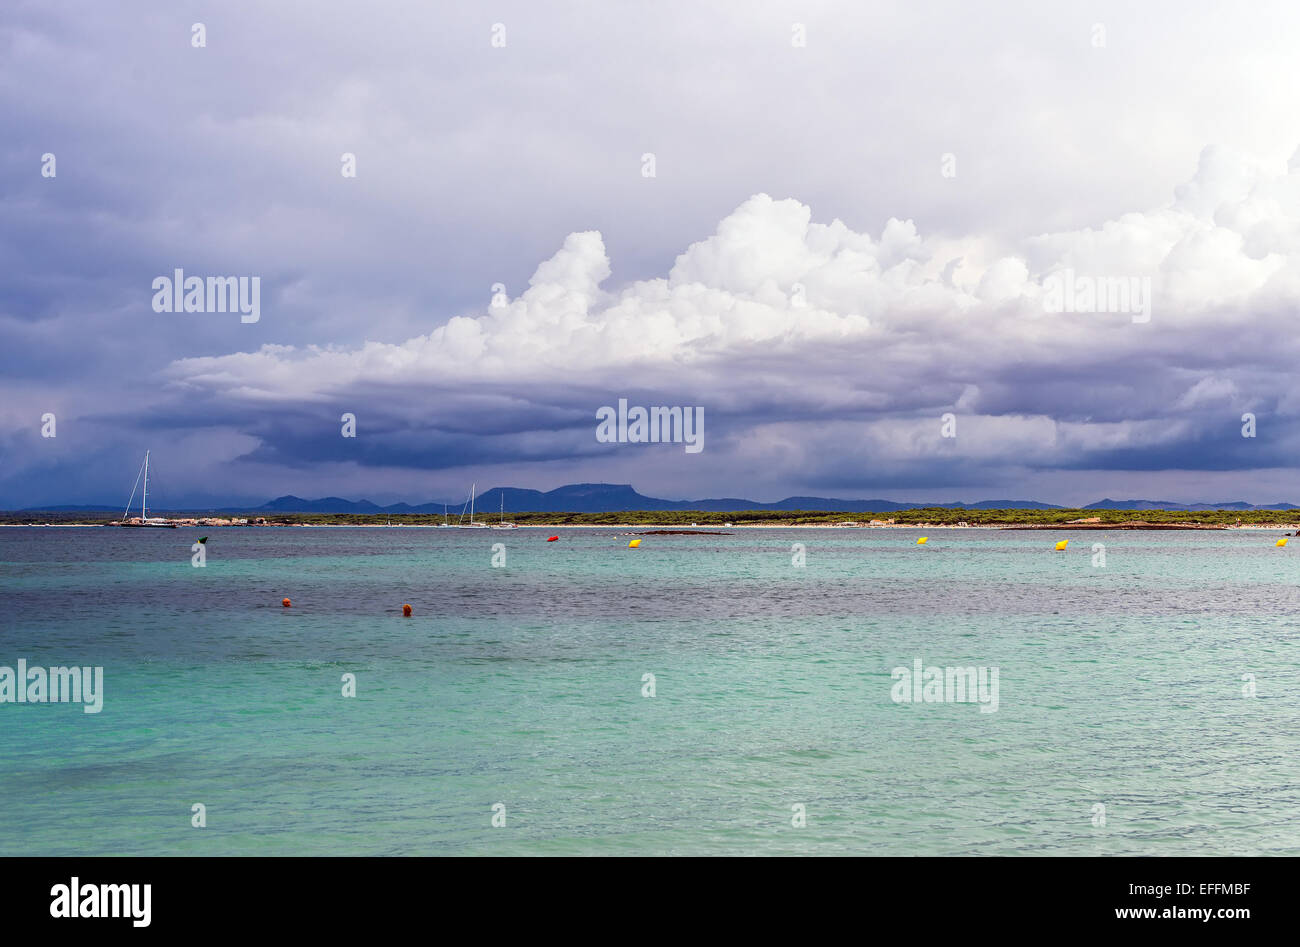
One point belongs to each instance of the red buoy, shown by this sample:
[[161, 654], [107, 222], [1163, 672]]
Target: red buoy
[[553, 539], [286, 603]]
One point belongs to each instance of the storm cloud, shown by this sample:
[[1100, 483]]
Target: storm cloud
[[842, 243]]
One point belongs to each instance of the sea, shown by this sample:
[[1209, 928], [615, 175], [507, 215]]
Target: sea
[[739, 694]]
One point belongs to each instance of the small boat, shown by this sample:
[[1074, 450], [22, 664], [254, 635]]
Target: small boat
[[503, 524], [144, 519], [471, 524]]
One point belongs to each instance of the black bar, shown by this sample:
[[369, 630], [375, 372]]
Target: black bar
[[942, 896]]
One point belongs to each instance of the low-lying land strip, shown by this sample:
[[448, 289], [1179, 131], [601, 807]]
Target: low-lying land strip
[[923, 517]]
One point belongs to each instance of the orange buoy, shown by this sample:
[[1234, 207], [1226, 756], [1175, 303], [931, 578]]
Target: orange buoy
[[406, 611], [553, 539], [286, 603]]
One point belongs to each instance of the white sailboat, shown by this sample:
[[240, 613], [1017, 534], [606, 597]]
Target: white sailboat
[[503, 524], [444, 524], [145, 519], [471, 524]]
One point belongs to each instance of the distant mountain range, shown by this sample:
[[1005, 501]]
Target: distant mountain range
[[1167, 505], [613, 498]]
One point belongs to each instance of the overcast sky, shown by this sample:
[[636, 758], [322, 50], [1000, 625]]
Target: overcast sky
[[842, 242]]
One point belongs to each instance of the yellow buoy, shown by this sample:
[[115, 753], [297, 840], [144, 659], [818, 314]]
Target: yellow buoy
[[921, 541], [1281, 542], [633, 544], [1060, 547]]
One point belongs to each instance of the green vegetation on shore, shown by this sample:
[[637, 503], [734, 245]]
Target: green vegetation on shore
[[936, 516]]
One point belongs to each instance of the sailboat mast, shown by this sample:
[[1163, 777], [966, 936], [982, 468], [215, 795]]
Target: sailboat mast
[[471, 503], [144, 498]]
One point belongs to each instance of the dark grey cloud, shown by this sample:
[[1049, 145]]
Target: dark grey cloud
[[475, 163]]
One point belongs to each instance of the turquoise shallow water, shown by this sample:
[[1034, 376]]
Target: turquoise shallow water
[[522, 685]]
